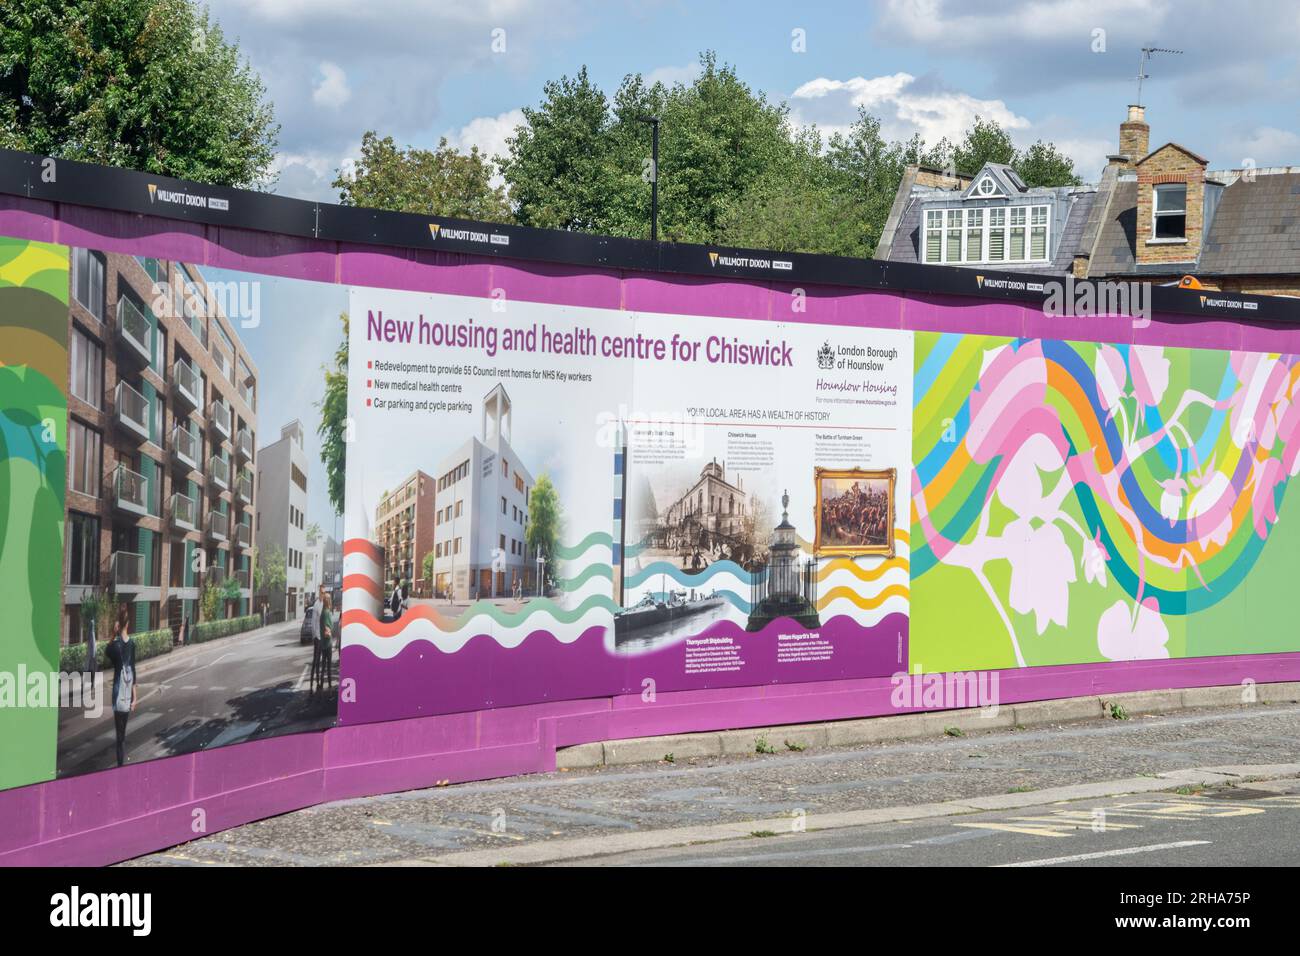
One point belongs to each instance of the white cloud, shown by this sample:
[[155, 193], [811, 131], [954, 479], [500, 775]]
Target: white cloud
[[670, 75], [903, 105], [1261, 146], [332, 91], [488, 133]]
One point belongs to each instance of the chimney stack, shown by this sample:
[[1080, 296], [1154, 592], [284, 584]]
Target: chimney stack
[[1135, 135]]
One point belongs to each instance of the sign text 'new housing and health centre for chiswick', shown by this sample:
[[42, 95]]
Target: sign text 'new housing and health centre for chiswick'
[[558, 489]]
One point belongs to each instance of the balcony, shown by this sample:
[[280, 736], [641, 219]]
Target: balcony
[[246, 393], [219, 472], [185, 448], [216, 574], [134, 330], [126, 571], [245, 489], [131, 410], [243, 575], [218, 526], [185, 513], [129, 491], [188, 388], [243, 535], [219, 415], [244, 444]]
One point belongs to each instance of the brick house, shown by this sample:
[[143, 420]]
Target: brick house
[[1157, 215]]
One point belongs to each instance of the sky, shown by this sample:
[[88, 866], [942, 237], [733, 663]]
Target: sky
[[289, 308], [1060, 70]]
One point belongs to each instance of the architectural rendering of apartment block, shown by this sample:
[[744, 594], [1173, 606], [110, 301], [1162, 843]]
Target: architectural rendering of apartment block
[[282, 518], [161, 427], [404, 529], [481, 512]]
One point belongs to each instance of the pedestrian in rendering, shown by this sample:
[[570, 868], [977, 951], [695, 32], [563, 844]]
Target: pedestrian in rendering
[[328, 625], [317, 679], [395, 601], [121, 654]]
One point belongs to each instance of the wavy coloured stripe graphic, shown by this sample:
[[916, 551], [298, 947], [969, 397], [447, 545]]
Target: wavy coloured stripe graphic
[[595, 539], [478, 614], [1095, 497], [862, 601]]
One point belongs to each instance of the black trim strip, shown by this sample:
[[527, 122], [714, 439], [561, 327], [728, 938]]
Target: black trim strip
[[123, 190]]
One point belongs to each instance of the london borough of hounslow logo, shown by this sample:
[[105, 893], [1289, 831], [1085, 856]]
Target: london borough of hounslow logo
[[826, 356]]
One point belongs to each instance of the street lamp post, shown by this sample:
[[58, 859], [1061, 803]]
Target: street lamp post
[[654, 174]]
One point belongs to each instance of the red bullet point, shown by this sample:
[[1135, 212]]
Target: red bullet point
[[369, 383], [367, 401], [370, 365]]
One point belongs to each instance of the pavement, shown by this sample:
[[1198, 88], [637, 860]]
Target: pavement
[[1012, 794], [223, 691]]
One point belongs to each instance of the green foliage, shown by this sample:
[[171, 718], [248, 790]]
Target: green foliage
[[426, 567], [1117, 712], [953, 732], [230, 589], [147, 644], [144, 84], [1042, 164], [544, 521], [441, 182], [761, 746], [209, 630], [210, 601], [269, 574], [333, 427]]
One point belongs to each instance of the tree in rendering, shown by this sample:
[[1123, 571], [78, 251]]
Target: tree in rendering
[[333, 427], [434, 182], [544, 520], [269, 576], [145, 84]]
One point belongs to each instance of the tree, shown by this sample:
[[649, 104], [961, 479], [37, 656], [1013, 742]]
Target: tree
[[144, 84], [313, 534], [558, 166], [441, 182], [581, 162], [230, 589], [333, 427], [210, 601], [269, 574], [1042, 164], [426, 567], [544, 520]]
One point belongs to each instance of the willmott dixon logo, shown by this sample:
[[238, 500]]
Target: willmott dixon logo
[[433, 229], [979, 280], [713, 258], [153, 194]]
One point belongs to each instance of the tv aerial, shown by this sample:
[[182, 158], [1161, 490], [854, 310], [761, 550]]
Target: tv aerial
[[1147, 53]]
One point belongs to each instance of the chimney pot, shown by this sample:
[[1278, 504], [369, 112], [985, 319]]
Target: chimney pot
[[1135, 134]]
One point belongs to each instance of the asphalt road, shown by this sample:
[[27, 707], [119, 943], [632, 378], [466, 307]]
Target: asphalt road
[[207, 695], [1222, 826], [429, 825]]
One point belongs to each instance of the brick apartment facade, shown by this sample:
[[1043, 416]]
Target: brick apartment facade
[[162, 424], [404, 528]]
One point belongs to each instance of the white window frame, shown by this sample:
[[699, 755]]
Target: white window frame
[[970, 220], [1157, 212]]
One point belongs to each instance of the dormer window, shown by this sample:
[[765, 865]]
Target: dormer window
[[1000, 234], [1169, 211]]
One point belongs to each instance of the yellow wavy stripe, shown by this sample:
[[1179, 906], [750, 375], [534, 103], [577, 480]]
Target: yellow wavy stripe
[[859, 572], [866, 603], [37, 257]]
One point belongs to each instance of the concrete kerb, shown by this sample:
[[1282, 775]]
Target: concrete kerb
[[554, 851], [847, 733]]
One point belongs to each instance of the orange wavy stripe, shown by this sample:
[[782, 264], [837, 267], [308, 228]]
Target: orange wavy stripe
[[362, 546], [393, 628], [363, 582]]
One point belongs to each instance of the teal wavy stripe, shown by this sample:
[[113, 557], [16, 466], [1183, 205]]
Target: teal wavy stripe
[[590, 571], [569, 552]]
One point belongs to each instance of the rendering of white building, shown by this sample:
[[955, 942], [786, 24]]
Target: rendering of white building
[[481, 512], [282, 523]]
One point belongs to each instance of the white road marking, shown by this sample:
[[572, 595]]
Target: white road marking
[[1126, 851]]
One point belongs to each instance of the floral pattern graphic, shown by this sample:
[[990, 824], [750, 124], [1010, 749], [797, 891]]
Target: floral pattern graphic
[[1084, 502]]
